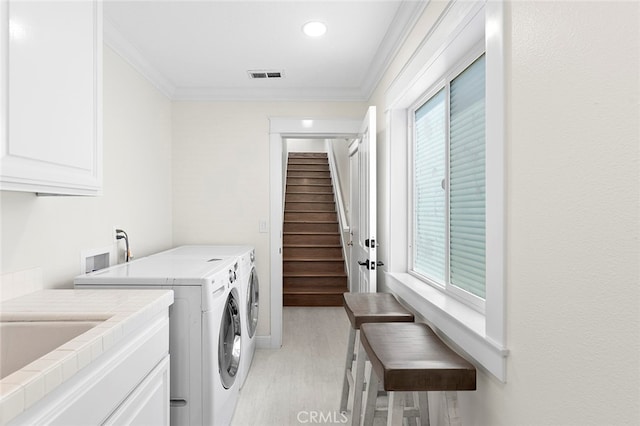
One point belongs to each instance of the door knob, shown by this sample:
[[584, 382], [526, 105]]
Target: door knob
[[363, 262]]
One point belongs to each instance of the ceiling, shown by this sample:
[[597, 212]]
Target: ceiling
[[203, 50]]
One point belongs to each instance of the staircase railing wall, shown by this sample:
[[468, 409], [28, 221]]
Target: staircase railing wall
[[343, 221]]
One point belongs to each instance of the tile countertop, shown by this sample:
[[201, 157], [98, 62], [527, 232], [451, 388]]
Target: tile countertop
[[121, 312]]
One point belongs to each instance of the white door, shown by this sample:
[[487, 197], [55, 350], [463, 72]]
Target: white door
[[362, 161]]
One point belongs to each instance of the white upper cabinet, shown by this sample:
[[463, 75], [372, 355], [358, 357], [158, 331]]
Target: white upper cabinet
[[51, 82]]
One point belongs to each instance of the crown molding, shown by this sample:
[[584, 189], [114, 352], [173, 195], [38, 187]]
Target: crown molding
[[267, 94], [403, 23], [116, 41]]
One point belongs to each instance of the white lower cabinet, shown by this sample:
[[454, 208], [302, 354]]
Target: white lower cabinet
[[128, 384], [148, 404]]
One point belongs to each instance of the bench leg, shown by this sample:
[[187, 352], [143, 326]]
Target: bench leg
[[370, 401], [451, 402], [348, 374], [410, 401], [358, 385], [423, 406], [396, 408]]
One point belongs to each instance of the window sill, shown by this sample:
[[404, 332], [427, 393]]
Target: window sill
[[458, 324]]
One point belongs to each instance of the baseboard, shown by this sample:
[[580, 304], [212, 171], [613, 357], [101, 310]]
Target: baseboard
[[265, 342]]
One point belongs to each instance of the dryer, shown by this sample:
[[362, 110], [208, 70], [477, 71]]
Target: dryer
[[205, 336], [248, 288]]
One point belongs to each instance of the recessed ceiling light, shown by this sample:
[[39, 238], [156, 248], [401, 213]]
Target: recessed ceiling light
[[314, 29]]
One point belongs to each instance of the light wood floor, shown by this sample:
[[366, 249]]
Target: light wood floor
[[288, 386]]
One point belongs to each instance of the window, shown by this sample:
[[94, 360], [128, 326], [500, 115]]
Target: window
[[465, 295], [448, 175]]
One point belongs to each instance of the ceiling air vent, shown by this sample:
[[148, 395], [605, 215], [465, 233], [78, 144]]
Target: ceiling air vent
[[266, 74]]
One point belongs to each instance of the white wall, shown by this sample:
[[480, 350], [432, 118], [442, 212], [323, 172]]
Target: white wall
[[573, 293], [221, 174], [306, 145], [341, 154], [50, 232]]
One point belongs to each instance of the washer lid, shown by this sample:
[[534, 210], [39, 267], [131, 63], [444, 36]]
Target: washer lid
[[152, 270], [205, 251]]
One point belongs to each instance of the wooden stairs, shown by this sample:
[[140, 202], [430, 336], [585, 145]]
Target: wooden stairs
[[313, 263]]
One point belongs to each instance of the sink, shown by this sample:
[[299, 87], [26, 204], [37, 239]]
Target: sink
[[22, 342]]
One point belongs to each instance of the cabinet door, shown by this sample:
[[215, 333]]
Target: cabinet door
[[53, 71], [148, 404]]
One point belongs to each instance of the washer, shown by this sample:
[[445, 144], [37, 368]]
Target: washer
[[249, 289], [205, 331]]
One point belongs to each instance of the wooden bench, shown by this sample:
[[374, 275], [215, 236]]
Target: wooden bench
[[364, 308], [410, 357]]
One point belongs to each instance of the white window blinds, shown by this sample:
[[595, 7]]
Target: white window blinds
[[449, 183], [429, 194], [466, 174]]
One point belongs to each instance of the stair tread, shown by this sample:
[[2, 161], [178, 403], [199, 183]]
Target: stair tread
[[311, 232], [311, 192], [327, 291], [313, 202], [309, 211], [306, 162], [329, 191], [312, 259], [313, 245], [309, 221], [329, 299], [313, 274], [303, 288]]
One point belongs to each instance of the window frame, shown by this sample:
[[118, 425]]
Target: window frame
[[442, 83], [458, 27]]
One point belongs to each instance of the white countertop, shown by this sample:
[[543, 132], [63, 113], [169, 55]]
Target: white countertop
[[121, 311]]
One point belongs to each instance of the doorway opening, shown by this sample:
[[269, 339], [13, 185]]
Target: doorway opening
[[281, 130], [316, 240]]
